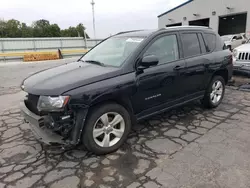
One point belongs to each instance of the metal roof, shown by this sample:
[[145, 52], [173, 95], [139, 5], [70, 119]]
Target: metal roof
[[175, 8]]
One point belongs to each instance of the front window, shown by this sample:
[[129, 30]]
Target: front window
[[165, 49], [114, 51]]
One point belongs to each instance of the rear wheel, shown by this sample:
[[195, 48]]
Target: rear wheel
[[215, 92], [106, 128]]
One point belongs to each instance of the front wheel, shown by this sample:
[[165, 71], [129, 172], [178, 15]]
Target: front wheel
[[106, 129], [215, 92]]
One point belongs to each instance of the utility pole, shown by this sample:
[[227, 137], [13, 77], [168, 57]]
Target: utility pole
[[93, 12]]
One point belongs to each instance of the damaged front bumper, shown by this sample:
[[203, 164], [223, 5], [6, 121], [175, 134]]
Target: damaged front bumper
[[49, 136]]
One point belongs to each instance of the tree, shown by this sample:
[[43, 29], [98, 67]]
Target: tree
[[54, 30], [41, 28], [26, 31], [2, 28], [70, 32], [80, 29], [13, 28]]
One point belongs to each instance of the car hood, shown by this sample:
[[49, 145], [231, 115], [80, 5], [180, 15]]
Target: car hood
[[57, 80], [244, 48]]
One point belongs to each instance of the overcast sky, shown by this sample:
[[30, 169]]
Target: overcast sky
[[112, 16]]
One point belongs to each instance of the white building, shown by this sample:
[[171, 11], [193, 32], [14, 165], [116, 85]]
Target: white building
[[224, 16]]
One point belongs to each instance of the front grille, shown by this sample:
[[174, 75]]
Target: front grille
[[31, 103], [244, 56]]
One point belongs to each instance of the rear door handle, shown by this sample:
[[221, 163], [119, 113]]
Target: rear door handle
[[178, 67]]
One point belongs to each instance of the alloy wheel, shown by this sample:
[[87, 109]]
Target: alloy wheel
[[108, 129], [217, 92]]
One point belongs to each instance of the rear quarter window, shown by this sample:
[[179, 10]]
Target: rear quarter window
[[211, 41]]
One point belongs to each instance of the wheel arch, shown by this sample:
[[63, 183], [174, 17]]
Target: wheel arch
[[223, 73], [118, 99]]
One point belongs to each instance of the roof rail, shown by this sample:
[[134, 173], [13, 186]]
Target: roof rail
[[123, 32], [188, 26]]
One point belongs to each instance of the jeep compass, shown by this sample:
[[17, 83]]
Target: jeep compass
[[124, 79]]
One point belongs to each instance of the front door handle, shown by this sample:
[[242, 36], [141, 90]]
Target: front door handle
[[178, 67]]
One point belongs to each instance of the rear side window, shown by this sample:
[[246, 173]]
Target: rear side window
[[191, 45], [202, 43], [211, 41]]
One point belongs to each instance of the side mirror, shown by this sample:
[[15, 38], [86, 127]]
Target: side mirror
[[234, 39], [149, 61]]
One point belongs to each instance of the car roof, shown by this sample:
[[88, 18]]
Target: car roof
[[145, 33], [135, 33]]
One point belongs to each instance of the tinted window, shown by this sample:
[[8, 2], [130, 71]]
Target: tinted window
[[211, 41], [165, 48], [202, 43], [191, 44]]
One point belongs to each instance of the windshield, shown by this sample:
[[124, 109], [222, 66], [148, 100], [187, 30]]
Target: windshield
[[226, 38], [114, 51]]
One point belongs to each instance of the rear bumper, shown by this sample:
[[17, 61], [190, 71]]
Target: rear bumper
[[40, 131]]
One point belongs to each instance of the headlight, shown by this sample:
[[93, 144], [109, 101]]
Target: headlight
[[47, 103], [235, 53]]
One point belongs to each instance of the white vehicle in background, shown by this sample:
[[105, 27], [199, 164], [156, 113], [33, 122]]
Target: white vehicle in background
[[233, 41], [241, 58]]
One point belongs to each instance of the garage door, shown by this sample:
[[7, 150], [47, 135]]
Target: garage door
[[202, 22], [172, 25], [232, 24]]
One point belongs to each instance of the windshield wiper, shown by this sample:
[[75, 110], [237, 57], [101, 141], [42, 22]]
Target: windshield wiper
[[93, 62]]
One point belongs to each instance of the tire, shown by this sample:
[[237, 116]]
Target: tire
[[209, 100], [99, 144]]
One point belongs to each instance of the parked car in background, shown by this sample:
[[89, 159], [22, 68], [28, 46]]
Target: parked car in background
[[233, 41], [96, 100], [241, 58]]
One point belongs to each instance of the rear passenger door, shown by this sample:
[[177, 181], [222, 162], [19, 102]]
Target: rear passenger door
[[197, 61]]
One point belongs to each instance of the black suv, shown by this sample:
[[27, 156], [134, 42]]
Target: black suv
[[126, 78]]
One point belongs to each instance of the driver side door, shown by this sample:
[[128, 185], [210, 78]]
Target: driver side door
[[160, 84]]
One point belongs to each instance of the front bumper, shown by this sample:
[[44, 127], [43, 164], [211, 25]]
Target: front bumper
[[38, 128], [242, 67]]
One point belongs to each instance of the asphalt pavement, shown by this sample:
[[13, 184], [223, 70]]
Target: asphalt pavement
[[187, 147], [13, 73]]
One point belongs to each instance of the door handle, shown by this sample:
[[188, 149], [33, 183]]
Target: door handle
[[178, 67]]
